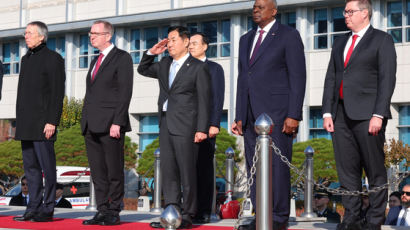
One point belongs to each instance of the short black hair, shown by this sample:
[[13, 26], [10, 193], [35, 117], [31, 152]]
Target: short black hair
[[396, 194], [23, 178], [205, 38], [59, 186], [182, 31]]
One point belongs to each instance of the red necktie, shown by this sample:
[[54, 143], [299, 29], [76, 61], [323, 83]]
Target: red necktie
[[258, 44], [349, 53], [97, 66]]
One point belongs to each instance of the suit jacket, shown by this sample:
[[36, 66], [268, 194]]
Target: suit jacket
[[368, 79], [63, 203], [108, 97], [189, 97], [218, 92], [40, 93], [332, 217], [1, 77], [275, 82], [17, 200], [393, 215]]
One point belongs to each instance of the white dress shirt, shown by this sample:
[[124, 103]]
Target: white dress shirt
[[266, 29], [407, 217], [105, 52]]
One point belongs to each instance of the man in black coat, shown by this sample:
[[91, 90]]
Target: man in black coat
[[40, 97], [105, 120], [61, 202], [22, 198], [183, 109], [198, 44], [359, 85]]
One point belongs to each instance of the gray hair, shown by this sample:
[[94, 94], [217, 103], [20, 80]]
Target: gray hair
[[41, 29], [107, 26]]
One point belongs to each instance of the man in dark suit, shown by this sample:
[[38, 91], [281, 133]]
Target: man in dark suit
[[271, 80], [359, 84], [22, 198], [1, 77], [183, 110], [400, 215], [61, 202], [39, 105], [105, 120], [198, 44]]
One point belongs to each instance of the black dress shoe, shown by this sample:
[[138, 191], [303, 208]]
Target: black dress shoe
[[185, 224], [155, 225], [25, 217], [96, 220], [250, 226], [111, 219], [43, 217], [202, 219]]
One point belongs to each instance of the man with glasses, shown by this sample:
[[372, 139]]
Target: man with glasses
[[359, 84], [400, 215], [105, 120], [23, 197], [39, 106]]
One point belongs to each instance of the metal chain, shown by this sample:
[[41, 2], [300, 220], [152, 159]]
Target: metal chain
[[79, 175], [249, 184], [331, 190], [237, 183]]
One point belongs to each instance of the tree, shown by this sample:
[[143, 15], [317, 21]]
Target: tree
[[396, 152], [69, 147], [71, 114], [223, 141], [324, 164]]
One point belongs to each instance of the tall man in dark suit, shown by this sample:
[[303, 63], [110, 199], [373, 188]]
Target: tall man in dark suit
[[183, 110], [39, 105], [198, 44], [105, 120], [272, 80], [359, 84]]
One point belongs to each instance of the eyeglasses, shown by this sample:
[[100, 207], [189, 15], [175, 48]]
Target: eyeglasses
[[319, 197], [23, 184], [404, 192], [28, 34], [97, 34], [349, 12]]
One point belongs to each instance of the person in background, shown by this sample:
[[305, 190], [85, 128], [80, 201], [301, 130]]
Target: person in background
[[400, 215], [394, 199], [198, 44], [23, 197], [321, 207], [61, 202]]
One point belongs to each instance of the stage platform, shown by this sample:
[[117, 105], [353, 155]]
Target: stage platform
[[71, 219]]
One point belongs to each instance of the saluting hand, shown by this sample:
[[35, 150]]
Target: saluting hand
[[49, 130], [160, 47]]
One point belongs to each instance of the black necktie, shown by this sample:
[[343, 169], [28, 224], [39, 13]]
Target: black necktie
[[25, 200]]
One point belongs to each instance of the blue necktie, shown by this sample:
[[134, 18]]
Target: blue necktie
[[403, 218], [172, 73]]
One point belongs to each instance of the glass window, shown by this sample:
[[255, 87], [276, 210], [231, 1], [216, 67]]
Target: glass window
[[225, 38], [250, 25], [87, 52], [394, 20], [135, 46], [57, 44], [210, 29], [11, 58], [224, 120], [404, 124], [151, 37], [316, 124], [149, 131], [192, 27], [320, 16], [291, 19]]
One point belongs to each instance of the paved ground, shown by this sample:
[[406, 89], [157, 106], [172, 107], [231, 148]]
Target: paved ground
[[146, 217]]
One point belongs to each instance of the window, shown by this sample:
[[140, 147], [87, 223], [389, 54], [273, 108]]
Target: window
[[57, 44], [316, 125], [224, 120], [146, 38], [11, 58], [290, 19], [219, 34], [149, 131], [329, 23], [87, 52], [404, 124], [398, 14]]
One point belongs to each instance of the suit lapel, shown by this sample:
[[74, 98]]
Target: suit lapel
[[107, 60], [90, 70], [341, 58], [356, 50], [181, 70], [249, 46], [266, 42], [165, 75]]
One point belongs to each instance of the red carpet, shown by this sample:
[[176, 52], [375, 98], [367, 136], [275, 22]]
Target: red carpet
[[71, 224]]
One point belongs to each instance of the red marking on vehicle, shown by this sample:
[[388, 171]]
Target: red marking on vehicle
[[75, 173], [73, 190]]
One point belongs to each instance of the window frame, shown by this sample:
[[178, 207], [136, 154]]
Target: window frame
[[405, 21], [14, 62]]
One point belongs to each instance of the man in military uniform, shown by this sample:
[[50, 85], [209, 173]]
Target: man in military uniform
[[320, 206]]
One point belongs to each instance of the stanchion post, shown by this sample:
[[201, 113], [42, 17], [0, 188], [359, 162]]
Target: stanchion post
[[263, 127], [213, 212], [157, 182], [170, 218], [229, 153], [92, 203], [308, 213]]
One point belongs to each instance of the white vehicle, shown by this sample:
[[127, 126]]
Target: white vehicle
[[76, 181]]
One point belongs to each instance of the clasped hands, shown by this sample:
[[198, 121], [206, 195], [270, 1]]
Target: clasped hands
[[290, 127]]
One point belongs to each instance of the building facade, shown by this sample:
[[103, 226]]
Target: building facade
[[141, 24]]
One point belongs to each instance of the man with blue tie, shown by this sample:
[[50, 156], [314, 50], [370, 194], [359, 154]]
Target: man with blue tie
[[400, 215], [271, 80], [198, 44]]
